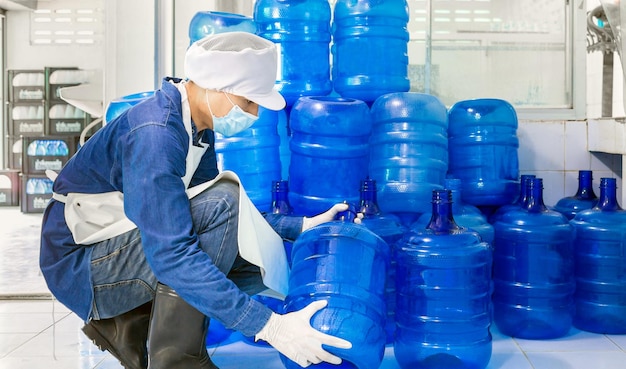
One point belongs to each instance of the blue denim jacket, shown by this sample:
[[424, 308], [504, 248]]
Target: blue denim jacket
[[142, 154]]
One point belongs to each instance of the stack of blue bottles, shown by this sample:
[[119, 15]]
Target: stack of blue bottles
[[301, 30], [38, 186], [443, 294], [600, 255], [206, 23], [346, 264], [390, 229], [408, 151], [47, 148], [533, 270], [119, 105], [254, 155], [584, 198], [329, 152], [521, 199], [483, 150], [465, 215], [363, 30]]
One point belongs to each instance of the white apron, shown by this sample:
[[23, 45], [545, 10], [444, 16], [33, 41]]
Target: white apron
[[94, 218]]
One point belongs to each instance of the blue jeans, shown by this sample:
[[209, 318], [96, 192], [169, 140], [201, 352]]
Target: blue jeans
[[123, 280]]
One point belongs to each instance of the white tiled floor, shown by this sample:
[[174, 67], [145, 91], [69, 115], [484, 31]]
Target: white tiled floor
[[38, 332]]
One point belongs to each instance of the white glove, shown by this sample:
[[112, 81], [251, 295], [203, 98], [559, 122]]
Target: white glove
[[328, 216], [292, 335]]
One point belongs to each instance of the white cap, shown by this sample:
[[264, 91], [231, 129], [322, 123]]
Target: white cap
[[239, 63]]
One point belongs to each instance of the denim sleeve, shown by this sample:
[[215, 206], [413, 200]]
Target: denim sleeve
[[153, 162], [288, 227]]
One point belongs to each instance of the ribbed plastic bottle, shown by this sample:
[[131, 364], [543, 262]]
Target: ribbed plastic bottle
[[521, 199], [205, 23], [363, 32], [483, 146], [119, 105], [329, 152], [408, 150], [443, 294], [346, 264], [254, 155], [533, 270], [390, 229], [600, 255], [280, 205], [301, 31], [465, 215], [584, 198]]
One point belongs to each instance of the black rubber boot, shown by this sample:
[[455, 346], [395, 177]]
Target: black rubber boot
[[177, 334], [124, 336]]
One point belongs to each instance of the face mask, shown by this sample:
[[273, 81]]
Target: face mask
[[232, 123]]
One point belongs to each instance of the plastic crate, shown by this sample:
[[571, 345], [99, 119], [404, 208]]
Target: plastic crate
[[9, 187], [36, 192], [46, 152], [26, 85], [64, 119], [26, 119]]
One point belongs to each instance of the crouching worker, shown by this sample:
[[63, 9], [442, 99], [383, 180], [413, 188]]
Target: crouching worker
[[141, 237]]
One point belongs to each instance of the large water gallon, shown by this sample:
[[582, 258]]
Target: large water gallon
[[444, 287], [533, 270], [205, 23], [329, 152], [346, 264], [254, 155], [483, 147], [119, 105], [600, 255], [521, 199], [409, 150], [465, 215], [583, 199], [370, 39], [390, 229], [301, 31]]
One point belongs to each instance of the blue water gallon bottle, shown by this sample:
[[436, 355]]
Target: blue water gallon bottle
[[521, 199], [443, 294], [254, 155], [205, 23], [465, 215], [600, 256], [390, 229], [301, 31], [409, 150], [583, 199], [370, 39], [483, 147], [329, 152], [346, 264], [119, 105], [533, 270]]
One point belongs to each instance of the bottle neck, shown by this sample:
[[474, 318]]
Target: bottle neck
[[608, 195], [368, 204], [523, 196], [585, 186], [442, 220], [534, 202], [280, 198]]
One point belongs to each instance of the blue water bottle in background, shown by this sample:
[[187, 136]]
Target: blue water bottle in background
[[465, 215], [443, 283], [301, 31], [521, 199], [390, 229], [600, 255], [254, 155], [483, 147], [119, 105], [533, 270], [329, 152], [369, 49], [584, 198], [408, 151], [206, 23], [346, 264]]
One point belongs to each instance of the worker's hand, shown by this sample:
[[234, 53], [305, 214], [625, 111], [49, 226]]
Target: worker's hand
[[328, 216], [292, 335]]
